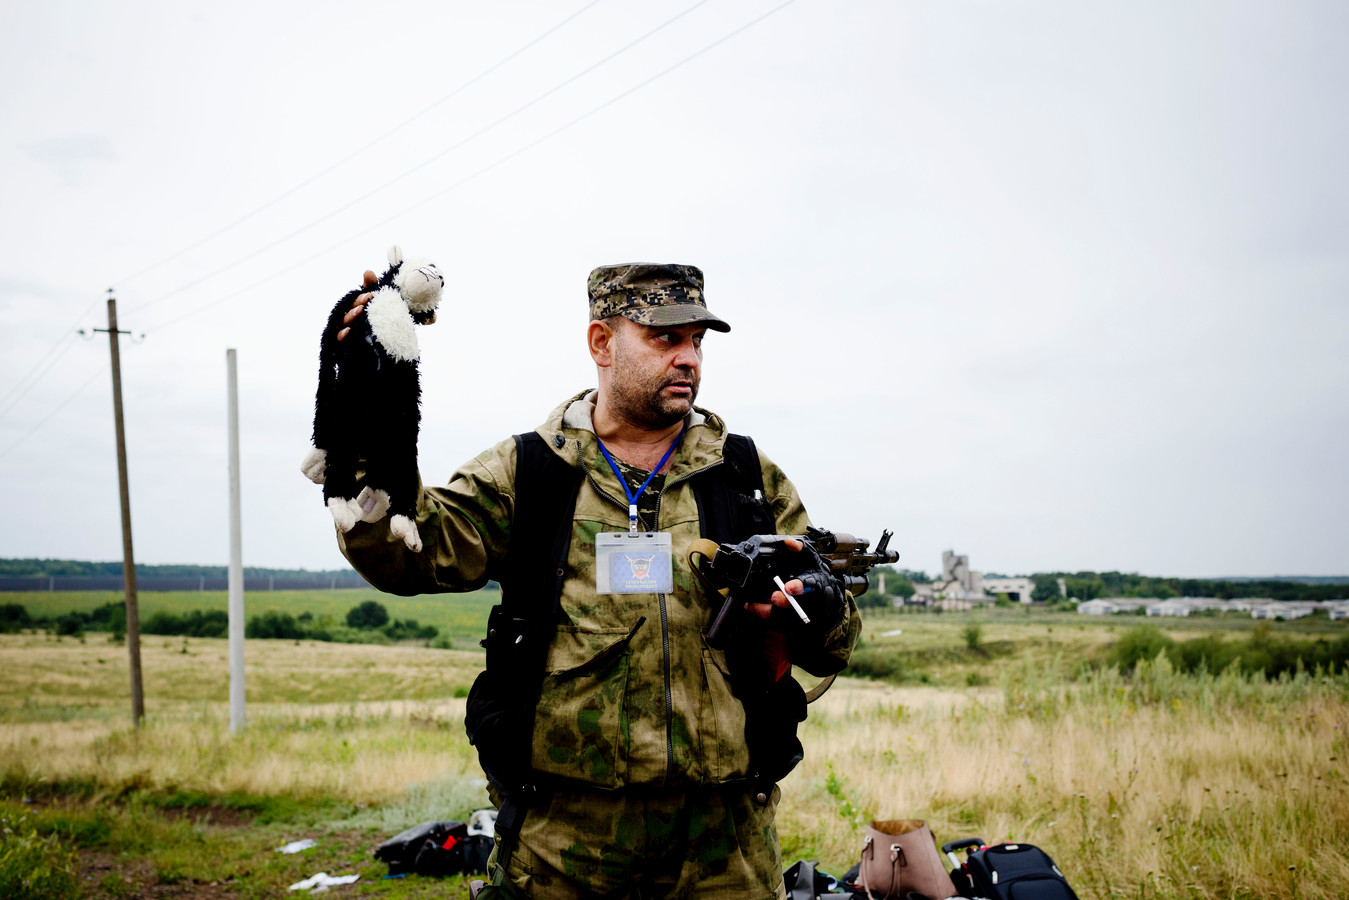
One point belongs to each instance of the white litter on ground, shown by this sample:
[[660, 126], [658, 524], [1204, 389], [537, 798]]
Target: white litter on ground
[[322, 881], [297, 846], [895, 633]]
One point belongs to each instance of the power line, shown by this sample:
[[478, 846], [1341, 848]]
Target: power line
[[79, 390], [67, 334], [627, 93], [18, 385], [474, 136], [364, 147], [452, 94], [484, 170]]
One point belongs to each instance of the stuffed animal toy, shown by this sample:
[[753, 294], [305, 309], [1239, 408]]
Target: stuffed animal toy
[[368, 407]]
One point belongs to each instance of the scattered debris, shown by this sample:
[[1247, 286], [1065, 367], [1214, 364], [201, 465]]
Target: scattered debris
[[297, 846], [322, 881]]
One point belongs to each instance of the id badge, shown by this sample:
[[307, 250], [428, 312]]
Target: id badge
[[633, 562]]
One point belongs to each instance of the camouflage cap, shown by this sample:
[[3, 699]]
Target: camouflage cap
[[651, 294]]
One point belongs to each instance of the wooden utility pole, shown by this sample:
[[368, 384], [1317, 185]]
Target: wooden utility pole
[[133, 621]]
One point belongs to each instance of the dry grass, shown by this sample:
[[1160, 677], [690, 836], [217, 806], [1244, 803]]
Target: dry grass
[[1167, 786], [1170, 787]]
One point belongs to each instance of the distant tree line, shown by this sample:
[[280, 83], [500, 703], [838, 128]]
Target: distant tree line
[[1092, 585], [368, 622], [74, 568]]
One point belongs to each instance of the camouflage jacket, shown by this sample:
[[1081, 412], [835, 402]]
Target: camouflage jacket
[[660, 712]]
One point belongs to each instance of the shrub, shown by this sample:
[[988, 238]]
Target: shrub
[[274, 625], [34, 867], [409, 630], [370, 614], [70, 623], [974, 633], [879, 663], [13, 617], [1143, 642], [195, 623]]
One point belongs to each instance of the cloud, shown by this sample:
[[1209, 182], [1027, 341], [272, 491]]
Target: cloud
[[68, 154]]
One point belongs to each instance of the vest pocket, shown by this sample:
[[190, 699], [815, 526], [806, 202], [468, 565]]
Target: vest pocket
[[580, 728], [723, 723]]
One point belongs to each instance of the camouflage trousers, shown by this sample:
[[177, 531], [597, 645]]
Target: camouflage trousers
[[699, 842]]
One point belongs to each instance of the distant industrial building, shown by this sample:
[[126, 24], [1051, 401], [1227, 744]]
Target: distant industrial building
[[959, 587]]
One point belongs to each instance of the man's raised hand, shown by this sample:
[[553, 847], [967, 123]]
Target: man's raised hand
[[369, 280]]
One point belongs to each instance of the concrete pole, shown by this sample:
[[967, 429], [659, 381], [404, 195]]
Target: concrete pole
[[236, 580]]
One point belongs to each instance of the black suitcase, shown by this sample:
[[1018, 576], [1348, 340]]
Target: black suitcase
[[1006, 872]]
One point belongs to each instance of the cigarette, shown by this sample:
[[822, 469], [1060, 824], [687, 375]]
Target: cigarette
[[792, 600]]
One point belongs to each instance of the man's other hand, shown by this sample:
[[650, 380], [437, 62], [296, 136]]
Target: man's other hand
[[794, 587], [369, 280]]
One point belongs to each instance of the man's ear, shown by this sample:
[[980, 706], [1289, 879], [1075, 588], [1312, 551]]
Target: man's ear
[[601, 337]]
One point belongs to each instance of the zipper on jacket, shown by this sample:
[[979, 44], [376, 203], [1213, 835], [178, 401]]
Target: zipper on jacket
[[660, 599], [665, 665], [664, 621]]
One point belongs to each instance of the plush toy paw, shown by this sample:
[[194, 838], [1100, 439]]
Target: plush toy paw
[[405, 528], [344, 517], [315, 465], [372, 504]]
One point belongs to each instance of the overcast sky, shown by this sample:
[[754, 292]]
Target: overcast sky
[[1053, 284]]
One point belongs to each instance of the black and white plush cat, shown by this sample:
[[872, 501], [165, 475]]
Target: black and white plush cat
[[368, 407]]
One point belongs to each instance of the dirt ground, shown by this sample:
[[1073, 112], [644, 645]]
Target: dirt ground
[[105, 876]]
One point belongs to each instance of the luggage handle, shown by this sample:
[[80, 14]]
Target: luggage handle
[[950, 848]]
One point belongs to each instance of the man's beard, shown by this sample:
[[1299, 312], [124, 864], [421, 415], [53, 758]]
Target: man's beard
[[644, 402]]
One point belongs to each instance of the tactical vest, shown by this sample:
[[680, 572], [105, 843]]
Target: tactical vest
[[501, 703]]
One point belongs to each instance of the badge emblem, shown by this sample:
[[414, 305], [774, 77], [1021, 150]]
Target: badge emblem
[[641, 566]]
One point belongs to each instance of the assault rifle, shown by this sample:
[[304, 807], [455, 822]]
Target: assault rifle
[[746, 571]]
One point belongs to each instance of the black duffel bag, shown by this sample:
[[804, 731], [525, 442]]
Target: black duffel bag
[[431, 848]]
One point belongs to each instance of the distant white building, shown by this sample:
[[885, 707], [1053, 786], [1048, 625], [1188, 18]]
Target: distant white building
[[1258, 607], [1169, 608], [1283, 611]]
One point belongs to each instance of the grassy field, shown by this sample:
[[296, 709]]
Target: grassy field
[[1159, 785], [462, 618]]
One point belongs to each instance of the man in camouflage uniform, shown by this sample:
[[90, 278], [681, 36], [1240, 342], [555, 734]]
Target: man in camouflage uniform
[[636, 729]]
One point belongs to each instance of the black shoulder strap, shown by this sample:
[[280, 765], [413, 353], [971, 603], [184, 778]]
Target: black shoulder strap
[[546, 488], [731, 501]]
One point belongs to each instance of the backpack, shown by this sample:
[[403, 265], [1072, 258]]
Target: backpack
[[499, 717], [1007, 872]]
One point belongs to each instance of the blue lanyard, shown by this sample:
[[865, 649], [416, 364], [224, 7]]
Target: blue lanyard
[[632, 498]]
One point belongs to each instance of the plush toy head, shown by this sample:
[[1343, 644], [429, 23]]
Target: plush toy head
[[420, 284]]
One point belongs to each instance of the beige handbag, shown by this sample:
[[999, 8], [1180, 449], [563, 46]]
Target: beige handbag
[[899, 858]]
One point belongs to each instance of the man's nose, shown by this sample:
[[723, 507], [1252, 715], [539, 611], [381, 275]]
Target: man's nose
[[687, 357]]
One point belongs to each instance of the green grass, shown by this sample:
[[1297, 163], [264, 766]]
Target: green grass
[[461, 618], [135, 846], [34, 864], [1141, 784]]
